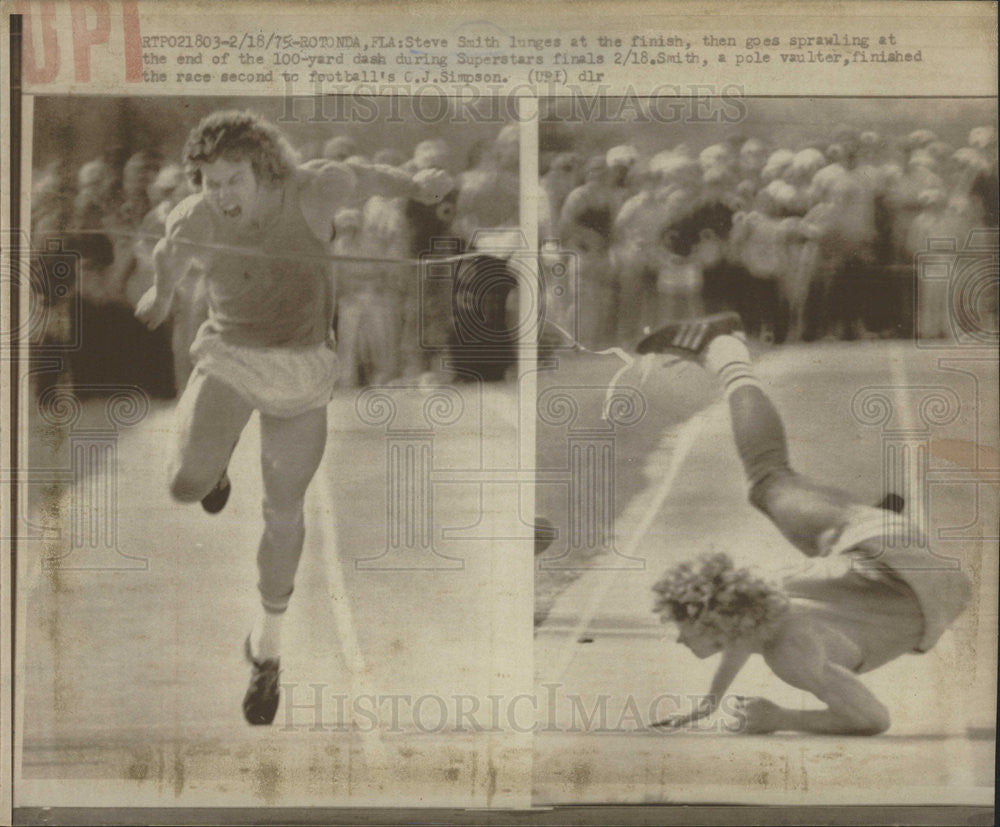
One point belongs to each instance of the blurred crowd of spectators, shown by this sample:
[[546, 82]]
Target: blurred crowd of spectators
[[804, 242], [105, 221]]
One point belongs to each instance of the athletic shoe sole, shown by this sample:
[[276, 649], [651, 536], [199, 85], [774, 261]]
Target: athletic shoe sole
[[690, 338]]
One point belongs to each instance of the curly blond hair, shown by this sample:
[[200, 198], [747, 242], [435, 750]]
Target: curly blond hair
[[238, 136], [713, 593]]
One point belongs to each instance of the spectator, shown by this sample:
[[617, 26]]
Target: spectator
[[339, 148], [930, 223], [485, 298], [561, 179], [585, 230], [367, 309]]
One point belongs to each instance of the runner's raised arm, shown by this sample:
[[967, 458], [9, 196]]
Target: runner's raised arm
[[171, 259]]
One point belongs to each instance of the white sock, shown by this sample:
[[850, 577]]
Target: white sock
[[728, 358], [265, 639]]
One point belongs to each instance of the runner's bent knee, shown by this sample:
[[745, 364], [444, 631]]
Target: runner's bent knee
[[808, 514], [210, 417]]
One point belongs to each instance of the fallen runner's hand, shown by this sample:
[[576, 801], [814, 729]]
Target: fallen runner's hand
[[761, 716], [674, 722]]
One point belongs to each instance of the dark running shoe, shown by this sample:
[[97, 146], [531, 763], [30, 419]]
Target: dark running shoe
[[215, 500], [892, 502], [690, 338], [260, 704]]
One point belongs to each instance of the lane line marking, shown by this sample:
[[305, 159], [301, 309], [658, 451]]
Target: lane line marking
[[357, 666], [686, 435]]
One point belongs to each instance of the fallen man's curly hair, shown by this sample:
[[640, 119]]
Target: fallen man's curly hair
[[712, 592]]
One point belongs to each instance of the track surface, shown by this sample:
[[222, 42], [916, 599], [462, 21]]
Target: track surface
[[131, 671], [133, 678]]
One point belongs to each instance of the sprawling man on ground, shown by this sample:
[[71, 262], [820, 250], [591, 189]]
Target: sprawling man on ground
[[815, 633]]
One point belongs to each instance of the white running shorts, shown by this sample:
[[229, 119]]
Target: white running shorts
[[277, 381]]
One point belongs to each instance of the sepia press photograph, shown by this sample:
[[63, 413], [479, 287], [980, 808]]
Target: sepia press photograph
[[766, 451], [494, 413], [265, 336]]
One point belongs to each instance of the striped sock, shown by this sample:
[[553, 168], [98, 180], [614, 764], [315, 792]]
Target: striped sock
[[728, 358]]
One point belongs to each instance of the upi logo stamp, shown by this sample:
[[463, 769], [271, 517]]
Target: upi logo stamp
[[956, 292]]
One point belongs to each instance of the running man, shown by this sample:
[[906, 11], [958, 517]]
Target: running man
[[260, 225], [816, 634]]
